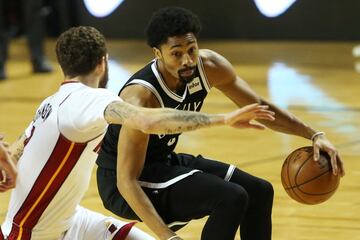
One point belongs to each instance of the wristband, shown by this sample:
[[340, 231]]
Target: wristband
[[316, 134]]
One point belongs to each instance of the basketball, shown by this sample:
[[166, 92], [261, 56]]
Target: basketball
[[308, 181]]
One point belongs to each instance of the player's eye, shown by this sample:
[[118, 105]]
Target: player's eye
[[176, 54]]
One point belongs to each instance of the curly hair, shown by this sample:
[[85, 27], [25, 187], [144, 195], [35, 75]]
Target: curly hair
[[79, 50], [169, 22]]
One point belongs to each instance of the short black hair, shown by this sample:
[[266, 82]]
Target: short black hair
[[169, 22], [79, 50]]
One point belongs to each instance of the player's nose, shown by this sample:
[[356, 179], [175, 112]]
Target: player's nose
[[187, 60]]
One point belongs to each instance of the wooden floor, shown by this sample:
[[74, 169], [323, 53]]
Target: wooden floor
[[316, 81]]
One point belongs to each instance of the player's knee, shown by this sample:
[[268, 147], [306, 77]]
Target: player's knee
[[261, 196], [266, 190], [235, 197]]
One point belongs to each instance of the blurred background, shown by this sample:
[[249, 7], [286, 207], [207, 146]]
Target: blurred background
[[303, 55], [229, 19]]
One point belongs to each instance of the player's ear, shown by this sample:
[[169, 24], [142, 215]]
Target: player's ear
[[103, 62], [101, 65], [157, 53]]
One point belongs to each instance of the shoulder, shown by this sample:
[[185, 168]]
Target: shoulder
[[45, 101], [96, 91], [213, 60], [89, 94], [217, 67], [87, 100], [140, 96]]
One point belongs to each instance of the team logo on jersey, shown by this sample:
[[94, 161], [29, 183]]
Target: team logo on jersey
[[194, 85], [171, 141], [44, 112]]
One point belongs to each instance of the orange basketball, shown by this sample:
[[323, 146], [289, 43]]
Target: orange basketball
[[307, 181]]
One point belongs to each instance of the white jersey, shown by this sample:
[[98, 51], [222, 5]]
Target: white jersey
[[56, 166]]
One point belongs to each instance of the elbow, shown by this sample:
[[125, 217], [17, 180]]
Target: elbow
[[121, 184], [149, 127], [124, 184], [149, 121], [147, 124]]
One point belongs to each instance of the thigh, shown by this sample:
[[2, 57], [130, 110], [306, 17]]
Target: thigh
[[89, 225], [251, 183], [191, 198], [206, 165], [222, 170]]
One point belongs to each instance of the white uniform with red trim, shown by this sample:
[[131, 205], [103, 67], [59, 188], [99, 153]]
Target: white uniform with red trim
[[56, 166]]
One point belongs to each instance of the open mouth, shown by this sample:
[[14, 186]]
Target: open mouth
[[187, 72]]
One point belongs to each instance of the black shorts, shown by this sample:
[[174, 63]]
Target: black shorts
[[157, 178]]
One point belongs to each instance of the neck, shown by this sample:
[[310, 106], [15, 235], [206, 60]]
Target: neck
[[88, 80]]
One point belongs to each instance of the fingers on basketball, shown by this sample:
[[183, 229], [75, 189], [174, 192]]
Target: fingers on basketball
[[308, 181]]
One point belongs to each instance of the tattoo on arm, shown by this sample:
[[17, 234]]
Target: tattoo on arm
[[118, 113], [158, 120], [186, 121], [17, 149], [17, 154]]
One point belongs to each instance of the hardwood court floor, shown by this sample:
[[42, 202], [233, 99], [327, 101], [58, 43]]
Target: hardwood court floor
[[314, 80]]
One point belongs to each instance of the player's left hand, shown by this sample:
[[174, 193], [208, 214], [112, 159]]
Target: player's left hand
[[8, 172], [243, 117], [322, 143]]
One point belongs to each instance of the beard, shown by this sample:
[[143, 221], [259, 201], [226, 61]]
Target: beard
[[187, 79], [105, 78]]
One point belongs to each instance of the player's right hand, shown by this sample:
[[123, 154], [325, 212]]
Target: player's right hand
[[242, 118]]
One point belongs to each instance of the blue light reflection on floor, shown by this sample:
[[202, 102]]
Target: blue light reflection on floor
[[287, 87]]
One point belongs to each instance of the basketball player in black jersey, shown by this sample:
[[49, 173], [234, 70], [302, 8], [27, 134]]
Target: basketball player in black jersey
[[141, 177]]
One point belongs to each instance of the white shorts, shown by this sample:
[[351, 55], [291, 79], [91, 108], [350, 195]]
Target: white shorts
[[89, 225]]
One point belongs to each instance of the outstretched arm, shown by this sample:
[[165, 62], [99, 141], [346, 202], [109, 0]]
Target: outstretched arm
[[223, 76], [170, 121]]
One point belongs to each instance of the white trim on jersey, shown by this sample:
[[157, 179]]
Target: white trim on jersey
[[148, 86], [165, 87], [229, 173], [177, 223], [167, 183], [203, 75]]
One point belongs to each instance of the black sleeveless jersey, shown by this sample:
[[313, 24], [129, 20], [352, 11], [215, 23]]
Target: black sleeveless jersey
[[159, 146]]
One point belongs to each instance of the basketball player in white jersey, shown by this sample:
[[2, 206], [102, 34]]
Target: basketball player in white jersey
[[57, 152]]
